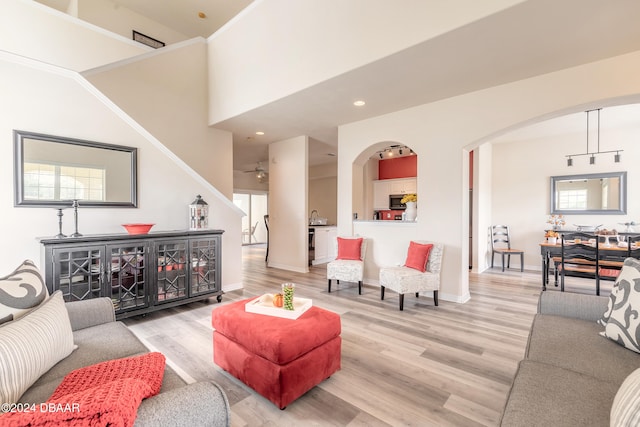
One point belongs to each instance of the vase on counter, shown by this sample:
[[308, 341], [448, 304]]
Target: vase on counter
[[410, 212]]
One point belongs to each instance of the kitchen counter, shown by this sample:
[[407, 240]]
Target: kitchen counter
[[322, 243]]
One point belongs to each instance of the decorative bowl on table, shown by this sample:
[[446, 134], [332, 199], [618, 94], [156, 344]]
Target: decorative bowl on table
[[138, 228]]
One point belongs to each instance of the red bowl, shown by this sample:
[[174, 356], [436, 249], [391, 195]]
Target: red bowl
[[138, 228]]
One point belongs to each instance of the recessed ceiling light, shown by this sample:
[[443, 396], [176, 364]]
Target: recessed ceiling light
[[259, 132], [202, 15], [359, 103]]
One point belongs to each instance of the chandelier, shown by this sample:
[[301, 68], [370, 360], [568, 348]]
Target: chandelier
[[592, 158]]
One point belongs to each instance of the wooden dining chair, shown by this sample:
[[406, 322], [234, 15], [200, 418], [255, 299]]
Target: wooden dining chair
[[579, 257], [266, 224], [501, 244]]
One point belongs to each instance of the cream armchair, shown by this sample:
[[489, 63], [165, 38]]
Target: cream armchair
[[347, 270], [406, 280]]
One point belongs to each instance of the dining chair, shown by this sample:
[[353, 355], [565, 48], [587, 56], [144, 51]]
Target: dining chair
[[501, 244], [266, 224], [579, 257], [250, 233], [633, 245]]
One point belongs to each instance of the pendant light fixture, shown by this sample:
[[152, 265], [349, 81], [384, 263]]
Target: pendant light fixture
[[592, 155]]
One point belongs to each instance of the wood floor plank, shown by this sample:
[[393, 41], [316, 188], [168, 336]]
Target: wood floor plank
[[450, 365]]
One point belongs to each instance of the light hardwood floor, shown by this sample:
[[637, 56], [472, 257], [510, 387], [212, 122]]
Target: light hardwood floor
[[450, 365]]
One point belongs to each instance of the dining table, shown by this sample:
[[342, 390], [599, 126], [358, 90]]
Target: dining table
[[613, 253]]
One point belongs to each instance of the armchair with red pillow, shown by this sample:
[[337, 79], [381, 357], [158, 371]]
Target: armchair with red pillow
[[420, 272], [349, 264]]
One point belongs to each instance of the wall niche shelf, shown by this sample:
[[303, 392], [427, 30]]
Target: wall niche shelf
[[140, 273]]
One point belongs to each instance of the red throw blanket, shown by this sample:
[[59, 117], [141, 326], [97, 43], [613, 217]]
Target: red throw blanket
[[107, 393]]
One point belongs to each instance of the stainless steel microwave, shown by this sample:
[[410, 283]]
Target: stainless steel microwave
[[395, 202]]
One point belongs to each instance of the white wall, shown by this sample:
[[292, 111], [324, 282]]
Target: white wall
[[309, 43], [35, 31], [323, 191], [120, 20], [248, 181], [52, 101], [482, 195], [164, 91], [522, 170], [440, 131], [288, 201]]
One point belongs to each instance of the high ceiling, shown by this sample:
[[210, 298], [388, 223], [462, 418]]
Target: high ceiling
[[179, 15], [532, 38]]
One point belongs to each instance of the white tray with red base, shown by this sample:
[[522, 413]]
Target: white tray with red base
[[264, 305]]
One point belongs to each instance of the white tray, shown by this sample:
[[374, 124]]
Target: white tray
[[264, 305]]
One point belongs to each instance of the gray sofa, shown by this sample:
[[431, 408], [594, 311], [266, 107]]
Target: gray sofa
[[570, 373], [100, 337]]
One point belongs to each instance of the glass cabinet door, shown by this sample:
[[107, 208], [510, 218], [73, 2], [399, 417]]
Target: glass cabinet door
[[126, 276], [77, 272], [204, 274], [171, 278]]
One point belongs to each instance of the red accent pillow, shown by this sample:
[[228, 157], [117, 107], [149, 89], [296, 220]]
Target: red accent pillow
[[349, 248], [107, 393], [418, 255]]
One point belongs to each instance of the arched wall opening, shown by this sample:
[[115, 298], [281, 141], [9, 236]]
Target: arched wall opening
[[370, 201], [448, 129], [546, 156]]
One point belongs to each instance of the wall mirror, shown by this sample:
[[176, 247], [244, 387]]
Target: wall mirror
[[589, 194], [51, 171]]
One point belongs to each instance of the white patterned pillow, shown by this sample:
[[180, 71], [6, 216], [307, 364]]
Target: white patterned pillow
[[31, 345], [21, 291], [623, 324], [625, 410]]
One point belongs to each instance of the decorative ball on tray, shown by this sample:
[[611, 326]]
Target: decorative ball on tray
[[138, 228], [278, 300]]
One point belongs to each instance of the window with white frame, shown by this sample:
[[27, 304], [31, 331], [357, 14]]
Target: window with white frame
[[46, 181], [572, 199]]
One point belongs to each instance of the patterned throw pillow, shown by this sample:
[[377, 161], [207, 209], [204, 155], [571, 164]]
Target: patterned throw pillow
[[623, 323], [21, 291], [625, 410], [31, 345]]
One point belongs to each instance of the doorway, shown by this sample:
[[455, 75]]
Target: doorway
[[255, 206]]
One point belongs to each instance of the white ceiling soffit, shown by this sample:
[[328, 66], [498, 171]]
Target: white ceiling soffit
[[533, 38]]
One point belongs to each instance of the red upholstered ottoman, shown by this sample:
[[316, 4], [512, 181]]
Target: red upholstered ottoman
[[279, 358]]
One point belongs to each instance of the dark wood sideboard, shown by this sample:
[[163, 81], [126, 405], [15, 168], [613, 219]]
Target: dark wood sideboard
[[140, 273]]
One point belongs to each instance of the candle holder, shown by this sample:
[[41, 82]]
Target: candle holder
[[60, 235], [75, 205]]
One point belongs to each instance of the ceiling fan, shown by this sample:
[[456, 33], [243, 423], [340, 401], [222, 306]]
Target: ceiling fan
[[260, 172]]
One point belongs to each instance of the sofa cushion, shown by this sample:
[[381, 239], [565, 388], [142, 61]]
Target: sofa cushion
[[623, 324], [577, 345], [21, 291], [547, 395], [97, 344], [625, 410], [107, 393], [31, 345]]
